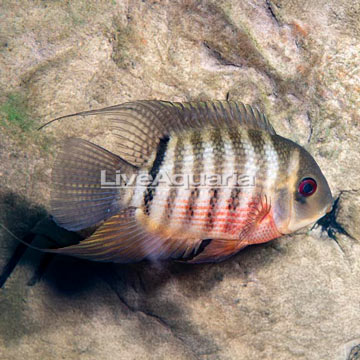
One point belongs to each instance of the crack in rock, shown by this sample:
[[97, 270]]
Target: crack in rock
[[219, 57], [133, 309], [311, 128], [270, 8], [197, 345]]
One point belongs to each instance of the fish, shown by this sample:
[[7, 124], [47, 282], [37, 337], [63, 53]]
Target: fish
[[192, 181]]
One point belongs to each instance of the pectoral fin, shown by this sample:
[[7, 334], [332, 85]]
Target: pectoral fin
[[260, 226]]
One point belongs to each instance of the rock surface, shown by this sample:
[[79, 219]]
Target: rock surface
[[294, 298]]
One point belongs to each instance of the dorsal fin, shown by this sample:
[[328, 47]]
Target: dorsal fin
[[139, 125]]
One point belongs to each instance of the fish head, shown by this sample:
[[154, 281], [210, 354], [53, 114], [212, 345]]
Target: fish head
[[303, 195]]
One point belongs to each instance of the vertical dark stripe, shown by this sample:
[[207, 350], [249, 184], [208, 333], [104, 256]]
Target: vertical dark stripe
[[159, 158], [217, 145], [240, 160], [197, 146], [257, 143], [283, 150]]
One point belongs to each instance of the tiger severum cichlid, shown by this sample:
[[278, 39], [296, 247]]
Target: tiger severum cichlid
[[194, 181]]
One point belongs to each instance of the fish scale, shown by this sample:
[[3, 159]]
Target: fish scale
[[211, 215], [222, 210], [183, 160], [196, 224], [216, 193], [196, 141]]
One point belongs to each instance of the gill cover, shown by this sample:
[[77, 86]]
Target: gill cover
[[295, 205]]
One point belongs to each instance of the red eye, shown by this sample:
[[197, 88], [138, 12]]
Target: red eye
[[307, 187]]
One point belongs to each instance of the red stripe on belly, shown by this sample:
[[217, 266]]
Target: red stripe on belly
[[198, 201], [219, 220]]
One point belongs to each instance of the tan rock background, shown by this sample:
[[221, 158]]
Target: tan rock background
[[297, 297]]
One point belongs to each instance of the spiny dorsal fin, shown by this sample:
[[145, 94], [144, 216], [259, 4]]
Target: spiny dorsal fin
[[139, 125]]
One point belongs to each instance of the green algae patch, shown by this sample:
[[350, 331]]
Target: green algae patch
[[17, 123], [14, 113]]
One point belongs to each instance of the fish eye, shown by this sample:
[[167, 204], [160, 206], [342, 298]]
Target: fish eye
[[307, 187]]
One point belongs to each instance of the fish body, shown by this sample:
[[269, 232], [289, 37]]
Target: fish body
[[219, 179], [209, 209]]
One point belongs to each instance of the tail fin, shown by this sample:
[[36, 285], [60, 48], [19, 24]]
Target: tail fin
[[78, 199]]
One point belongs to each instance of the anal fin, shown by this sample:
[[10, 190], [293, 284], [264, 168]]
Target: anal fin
[[123, 239], [217, 250]]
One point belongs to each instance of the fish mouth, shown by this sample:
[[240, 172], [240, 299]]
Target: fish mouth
[[326, 211], [307, 222], [329, 208]]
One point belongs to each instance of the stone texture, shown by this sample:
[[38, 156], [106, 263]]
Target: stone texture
[[294, 298]]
